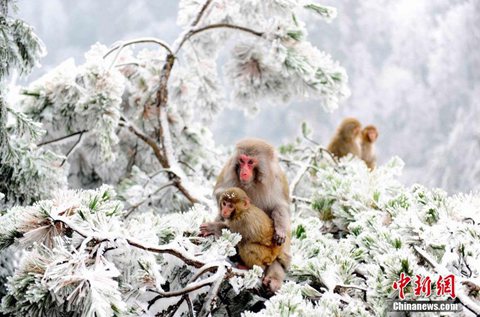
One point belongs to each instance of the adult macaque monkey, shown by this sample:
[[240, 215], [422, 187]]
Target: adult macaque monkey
[[347, 139], [255, 226], [369, 136], [254, 168]]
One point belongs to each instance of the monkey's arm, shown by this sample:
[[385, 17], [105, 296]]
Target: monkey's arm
[[281, 222], [281, 213]]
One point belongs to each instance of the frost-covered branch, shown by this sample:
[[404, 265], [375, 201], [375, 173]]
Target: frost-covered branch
[[165, 158], [212, 294], [185, 257], [145, 138]]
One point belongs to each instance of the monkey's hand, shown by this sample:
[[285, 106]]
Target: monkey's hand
[[212, 228], [279, 237], [207, 229]]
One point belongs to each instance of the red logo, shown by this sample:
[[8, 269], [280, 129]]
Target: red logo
[[445, 285]]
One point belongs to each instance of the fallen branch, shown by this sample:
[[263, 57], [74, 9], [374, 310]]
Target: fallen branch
[[461, 296]]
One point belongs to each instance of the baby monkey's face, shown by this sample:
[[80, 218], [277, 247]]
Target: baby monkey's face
[[227, 209]]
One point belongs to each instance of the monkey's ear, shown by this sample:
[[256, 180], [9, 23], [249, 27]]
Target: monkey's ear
[[246, 203]]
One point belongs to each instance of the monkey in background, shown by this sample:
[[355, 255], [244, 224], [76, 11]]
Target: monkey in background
[[255, 226], [347, 139], [254, 168], [369, 136]]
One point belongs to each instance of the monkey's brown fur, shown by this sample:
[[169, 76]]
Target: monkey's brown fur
[[346, 139], [269, 192], [369, 136], [256, 228]]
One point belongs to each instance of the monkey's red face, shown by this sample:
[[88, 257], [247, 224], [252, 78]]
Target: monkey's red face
[[227, 209], [372, 135], [247, 166]]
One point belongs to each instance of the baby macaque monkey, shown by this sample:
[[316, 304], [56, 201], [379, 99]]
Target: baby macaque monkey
[[255, 226], [347, 138], [369, 136]]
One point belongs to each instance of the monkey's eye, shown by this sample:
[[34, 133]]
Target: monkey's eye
[[250, 162]]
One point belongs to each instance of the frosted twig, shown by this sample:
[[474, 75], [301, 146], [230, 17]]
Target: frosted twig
[[302, 199], [201, 13], [132, 208], [324, 150], [293, 185], [139, 41], [191, 33], [461, 296], [61, 138], [72, 148]]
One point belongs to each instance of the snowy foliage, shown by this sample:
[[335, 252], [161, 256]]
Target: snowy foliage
[[368, 239], [135, 120]]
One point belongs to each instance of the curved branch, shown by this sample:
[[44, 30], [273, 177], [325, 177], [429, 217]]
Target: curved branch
[[216, 26], [139, 41]]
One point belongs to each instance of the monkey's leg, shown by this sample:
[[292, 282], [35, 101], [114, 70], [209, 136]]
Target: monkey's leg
[[256, 254], [274, 276], [276, 272]]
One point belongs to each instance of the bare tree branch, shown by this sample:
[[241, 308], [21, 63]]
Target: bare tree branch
[[72, 148], [62, 138]]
